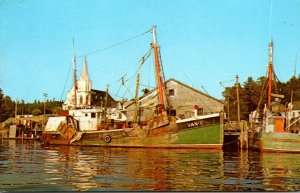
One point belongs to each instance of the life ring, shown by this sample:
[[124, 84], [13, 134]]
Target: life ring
[[107, 138]]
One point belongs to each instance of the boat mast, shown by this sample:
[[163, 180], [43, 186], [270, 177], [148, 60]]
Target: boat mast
[[292, 93], [158, 68], [74, 73], [270, 71], [136, 99]]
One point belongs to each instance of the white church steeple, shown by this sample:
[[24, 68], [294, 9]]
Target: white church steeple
[[84, 86], [85, 72]]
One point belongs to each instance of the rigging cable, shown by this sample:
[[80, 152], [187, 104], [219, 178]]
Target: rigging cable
[[141, 61], [114, 45], [65, 83]]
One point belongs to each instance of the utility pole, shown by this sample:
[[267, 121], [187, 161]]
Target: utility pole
[[45, 95], [228, 106], [238, 100], [16, 108]]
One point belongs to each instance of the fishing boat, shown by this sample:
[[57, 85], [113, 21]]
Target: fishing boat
[[279, 130], [160, 129]]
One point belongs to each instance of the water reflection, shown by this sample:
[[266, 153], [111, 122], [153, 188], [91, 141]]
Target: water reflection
[[28, 166], [280, 169]]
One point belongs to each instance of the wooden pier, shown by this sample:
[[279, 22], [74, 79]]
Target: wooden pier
[[237, 133]]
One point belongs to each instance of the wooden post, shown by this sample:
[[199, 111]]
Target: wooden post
[[228, 106], [238, 112], [246, 135], [16, 109], [238, 100]]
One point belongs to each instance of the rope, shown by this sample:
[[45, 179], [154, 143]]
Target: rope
[[230, 142], [66, 83], [141, 61], [114, 45]]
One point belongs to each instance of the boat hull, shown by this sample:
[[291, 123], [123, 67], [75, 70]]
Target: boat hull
[[276, 142], [207, 137]]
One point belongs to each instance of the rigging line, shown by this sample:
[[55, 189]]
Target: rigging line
[[128, 90], [118, 89], [228, 91], [66, 82], [113, 45], [147, 86], [263, 91], [142, 61], [149, 73], [116, 95], [227, 81], [210, 100], [122, 83], [189, 79]]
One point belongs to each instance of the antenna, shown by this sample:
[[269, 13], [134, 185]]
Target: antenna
[[270, 19], [292, 93], [295, 66]]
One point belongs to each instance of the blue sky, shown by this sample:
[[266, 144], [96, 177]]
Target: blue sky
[[203, 42]]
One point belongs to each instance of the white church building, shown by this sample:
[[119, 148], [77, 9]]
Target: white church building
[[83, 93]]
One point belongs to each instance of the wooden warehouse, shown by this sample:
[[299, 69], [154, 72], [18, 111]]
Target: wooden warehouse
[[183, 99]]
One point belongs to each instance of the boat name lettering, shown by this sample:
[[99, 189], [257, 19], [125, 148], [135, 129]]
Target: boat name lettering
[[194, 124]]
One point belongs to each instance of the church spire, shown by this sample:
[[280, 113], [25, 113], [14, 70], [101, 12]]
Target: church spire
[[85, 73]]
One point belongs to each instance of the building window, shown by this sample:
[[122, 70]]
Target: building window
[[80, 100], [87, 100], [93, 115], [171, 92], [200, 111], [173, 112]]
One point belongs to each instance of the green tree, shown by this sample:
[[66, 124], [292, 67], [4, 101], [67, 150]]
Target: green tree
[[36, 112], [8, 109]]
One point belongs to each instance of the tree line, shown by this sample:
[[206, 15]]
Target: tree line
[[251, 94], [8, 107]]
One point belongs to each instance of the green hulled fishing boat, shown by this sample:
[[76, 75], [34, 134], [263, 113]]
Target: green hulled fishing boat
[[160, 129], [279, 130]]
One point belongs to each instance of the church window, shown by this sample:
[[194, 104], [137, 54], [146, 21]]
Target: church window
[[86, 99], [80, 100]]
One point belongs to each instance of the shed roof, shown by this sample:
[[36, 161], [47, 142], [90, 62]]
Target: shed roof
[[129, 103]]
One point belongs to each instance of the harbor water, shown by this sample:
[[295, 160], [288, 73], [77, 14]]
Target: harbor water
[[28, 166]]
